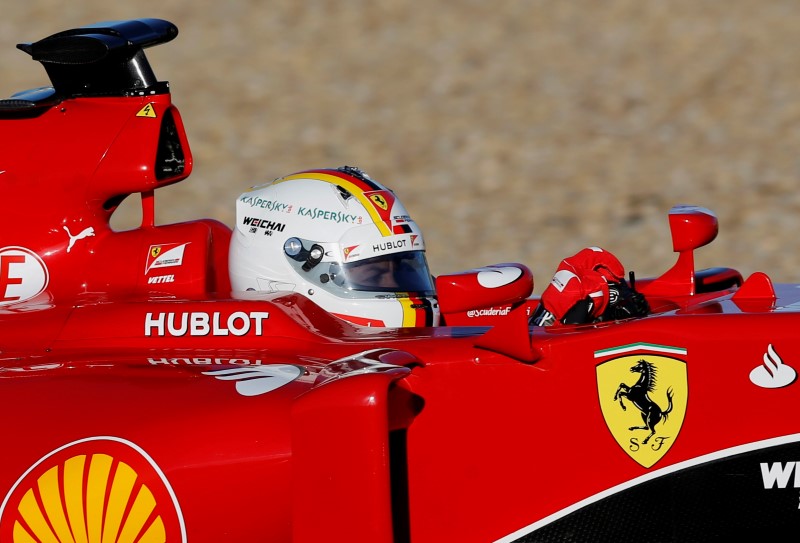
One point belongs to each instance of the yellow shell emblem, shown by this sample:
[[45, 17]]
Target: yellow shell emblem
[[93, 491]]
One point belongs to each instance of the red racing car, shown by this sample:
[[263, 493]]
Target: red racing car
[[144, 401]]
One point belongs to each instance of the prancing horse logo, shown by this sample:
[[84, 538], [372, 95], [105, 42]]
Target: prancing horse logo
[[639, 396], [658, 394]]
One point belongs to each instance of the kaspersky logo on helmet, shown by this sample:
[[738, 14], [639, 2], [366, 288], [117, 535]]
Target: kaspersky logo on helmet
[[385, 246]]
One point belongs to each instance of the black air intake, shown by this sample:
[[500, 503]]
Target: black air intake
[[170, 160], [103, 59]]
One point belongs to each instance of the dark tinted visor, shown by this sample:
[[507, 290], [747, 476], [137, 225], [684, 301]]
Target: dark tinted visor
[[397, 272]]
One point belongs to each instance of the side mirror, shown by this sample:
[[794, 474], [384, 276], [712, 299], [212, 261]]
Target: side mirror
[[474, 297], [691, 227]]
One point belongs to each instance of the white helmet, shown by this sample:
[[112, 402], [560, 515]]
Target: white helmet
[[339, 238]]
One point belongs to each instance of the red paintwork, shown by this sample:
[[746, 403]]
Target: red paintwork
[[468, 432]]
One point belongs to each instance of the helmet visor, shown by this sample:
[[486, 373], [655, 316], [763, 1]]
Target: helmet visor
[[396, 272], [403, 273]]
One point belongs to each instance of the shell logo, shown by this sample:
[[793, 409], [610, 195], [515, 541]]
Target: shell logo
[[96, 490]]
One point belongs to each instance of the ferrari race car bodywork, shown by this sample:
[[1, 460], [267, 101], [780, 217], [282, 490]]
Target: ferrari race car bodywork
[[143, 401]]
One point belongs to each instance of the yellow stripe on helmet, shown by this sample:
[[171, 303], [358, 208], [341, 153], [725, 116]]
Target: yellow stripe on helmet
[[352, 188]]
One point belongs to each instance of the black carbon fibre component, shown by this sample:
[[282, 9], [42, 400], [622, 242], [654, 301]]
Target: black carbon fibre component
[[103, 59], [722, 500]]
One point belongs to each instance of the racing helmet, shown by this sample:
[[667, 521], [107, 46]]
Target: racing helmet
[[339, 238]]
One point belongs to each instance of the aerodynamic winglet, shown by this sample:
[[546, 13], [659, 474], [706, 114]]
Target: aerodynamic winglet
[[94, 42], [102, 59], [511, 337]]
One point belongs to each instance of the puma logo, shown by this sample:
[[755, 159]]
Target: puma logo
[[85, 233]]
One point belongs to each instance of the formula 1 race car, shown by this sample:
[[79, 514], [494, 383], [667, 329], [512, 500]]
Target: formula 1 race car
[[143, 401]]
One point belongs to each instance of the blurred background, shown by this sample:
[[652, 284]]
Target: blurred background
[[512, 130]]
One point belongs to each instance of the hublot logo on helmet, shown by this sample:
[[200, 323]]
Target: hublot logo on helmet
[[389, 245]]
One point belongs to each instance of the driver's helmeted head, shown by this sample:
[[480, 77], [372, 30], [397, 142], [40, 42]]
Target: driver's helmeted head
[[339, 238]]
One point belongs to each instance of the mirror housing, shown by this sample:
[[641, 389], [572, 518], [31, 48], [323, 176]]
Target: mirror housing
[[691, 227], [478, 296]]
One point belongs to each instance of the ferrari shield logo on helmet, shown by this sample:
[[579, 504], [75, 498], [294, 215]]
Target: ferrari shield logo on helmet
[[643, 393], [382, 201], [379, 204], [379, 200]]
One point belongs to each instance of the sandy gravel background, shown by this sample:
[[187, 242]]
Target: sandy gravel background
[[512, 130]]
